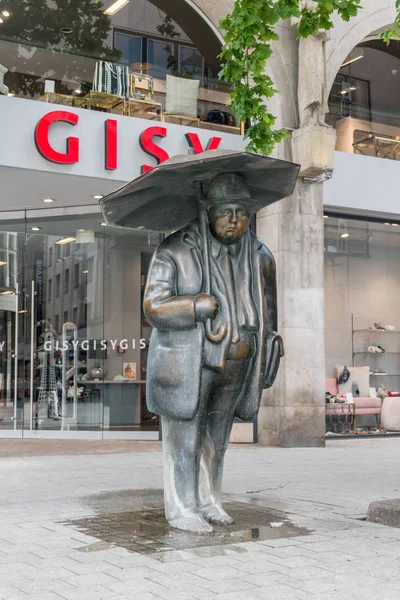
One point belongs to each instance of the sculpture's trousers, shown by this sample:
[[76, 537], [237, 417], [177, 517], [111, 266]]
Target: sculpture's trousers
[[194, 450]]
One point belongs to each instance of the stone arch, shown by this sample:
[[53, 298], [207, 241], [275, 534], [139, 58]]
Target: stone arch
[[346, 35], [200, 20]]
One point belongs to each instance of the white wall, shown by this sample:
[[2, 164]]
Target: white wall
[[364, 184]]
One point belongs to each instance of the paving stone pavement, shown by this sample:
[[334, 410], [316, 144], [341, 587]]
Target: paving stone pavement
[[324, 490]]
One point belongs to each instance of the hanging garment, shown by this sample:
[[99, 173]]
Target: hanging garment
[[111, 78]]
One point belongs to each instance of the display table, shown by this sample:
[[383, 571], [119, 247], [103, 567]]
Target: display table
[[181, 120], [147, 108], [65, 100], [101, 100], [221, 128], [375, 144], [340, 415]]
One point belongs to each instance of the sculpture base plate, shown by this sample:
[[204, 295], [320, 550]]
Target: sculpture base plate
[[135, 520], [385, 512]]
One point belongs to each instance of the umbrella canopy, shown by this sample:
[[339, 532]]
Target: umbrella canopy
[[165, 198]]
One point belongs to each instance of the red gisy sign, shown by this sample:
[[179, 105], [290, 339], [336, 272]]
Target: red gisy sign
[[147, 140]]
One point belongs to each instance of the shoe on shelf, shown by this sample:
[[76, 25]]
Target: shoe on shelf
[[376, 350]]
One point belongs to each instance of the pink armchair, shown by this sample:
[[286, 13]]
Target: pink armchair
[[363, 406]]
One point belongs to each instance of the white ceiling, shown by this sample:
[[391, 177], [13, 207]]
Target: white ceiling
[[25, 189]]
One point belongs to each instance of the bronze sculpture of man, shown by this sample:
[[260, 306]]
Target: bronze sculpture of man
[[199, 384], [211, 299]]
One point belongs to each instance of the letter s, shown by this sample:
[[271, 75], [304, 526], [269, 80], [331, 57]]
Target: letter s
[[148, 146]]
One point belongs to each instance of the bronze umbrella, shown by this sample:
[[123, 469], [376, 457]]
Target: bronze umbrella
[[171, 195]]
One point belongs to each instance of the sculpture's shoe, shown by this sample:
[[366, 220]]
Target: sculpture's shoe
[[193, 522], [216, 514]]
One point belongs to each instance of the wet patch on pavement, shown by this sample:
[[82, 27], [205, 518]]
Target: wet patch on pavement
[[146, 531]]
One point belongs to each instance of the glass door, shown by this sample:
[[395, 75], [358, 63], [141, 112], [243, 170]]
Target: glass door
[[11, 389], [63, 285]]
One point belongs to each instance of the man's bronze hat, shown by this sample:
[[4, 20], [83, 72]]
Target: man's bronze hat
[[230, 188]]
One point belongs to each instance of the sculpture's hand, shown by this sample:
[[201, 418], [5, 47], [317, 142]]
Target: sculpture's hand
[[206, 307]]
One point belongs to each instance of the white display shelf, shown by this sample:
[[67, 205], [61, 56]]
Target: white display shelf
[[378, 330], [385, 374], [375, 353]]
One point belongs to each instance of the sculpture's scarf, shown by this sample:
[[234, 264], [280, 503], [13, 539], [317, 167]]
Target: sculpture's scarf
[[246, 308]]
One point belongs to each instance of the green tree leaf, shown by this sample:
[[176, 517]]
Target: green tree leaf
[[249, 32]]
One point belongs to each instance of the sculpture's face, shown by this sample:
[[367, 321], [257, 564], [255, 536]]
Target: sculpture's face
[[228, 222]]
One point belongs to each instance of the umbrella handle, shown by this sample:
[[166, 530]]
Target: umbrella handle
[[218, 336]]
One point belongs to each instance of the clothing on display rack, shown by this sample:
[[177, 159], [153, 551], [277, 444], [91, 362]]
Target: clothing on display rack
[[110, 78]]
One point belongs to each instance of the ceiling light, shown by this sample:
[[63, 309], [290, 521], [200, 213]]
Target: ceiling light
[[35, 228], [387, 223], [395, 225], [81, 230], [326, 217], [103, 224], [115, 7], [351, 88], [85, 271], [5, 13], [21, 312], [48, 200], [2, 263], [348, 62], [66, 240], [97, 197], [78, 91], [1, 20], [6, 293], [345, 235]]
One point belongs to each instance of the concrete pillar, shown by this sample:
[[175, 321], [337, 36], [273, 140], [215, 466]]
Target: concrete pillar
[[292, 413]]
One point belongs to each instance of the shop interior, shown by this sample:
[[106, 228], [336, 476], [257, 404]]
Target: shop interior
[[363, 100], [73, 336], [118, 56], [362, 326]]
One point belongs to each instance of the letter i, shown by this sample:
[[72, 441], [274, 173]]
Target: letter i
[[111, 128]]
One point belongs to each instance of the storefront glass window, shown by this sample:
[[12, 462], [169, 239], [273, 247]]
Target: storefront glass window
[[76, 360], [362, 285], [60, 57], [362, 101]]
